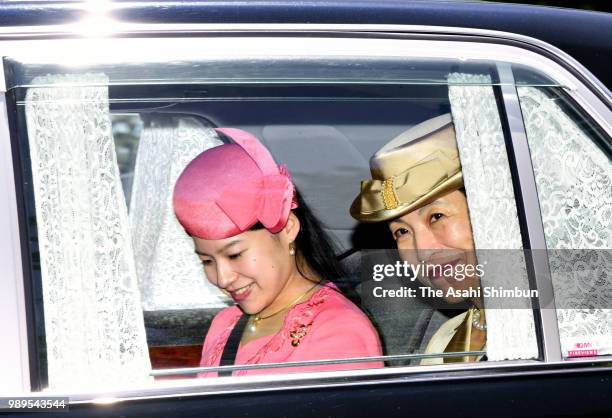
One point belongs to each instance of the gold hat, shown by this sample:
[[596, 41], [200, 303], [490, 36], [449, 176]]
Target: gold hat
[[410, 171]]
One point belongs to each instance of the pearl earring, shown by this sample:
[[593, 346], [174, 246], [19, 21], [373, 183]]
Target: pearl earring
[[291, 249]]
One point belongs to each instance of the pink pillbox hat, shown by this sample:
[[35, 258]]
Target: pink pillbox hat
[[226, 190]]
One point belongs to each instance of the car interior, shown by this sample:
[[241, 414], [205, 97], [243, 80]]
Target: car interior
[[349, 122]]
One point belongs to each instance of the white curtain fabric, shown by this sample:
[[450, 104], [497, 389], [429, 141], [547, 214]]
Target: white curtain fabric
[[93, 318], [574, 181], [488, 182], [170, 274]]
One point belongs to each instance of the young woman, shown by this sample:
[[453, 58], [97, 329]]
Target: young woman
[[417, 188], [259, 242]]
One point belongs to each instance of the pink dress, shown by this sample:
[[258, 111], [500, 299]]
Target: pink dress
[[327, 326]]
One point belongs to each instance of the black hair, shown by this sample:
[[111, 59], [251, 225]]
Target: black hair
[[314, 246]]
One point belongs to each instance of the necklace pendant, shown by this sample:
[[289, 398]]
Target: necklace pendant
[[253, 323]]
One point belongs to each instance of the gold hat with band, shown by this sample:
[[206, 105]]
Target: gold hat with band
[[410, 171]]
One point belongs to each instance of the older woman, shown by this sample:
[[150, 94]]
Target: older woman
[[259, 242], [417, 189]]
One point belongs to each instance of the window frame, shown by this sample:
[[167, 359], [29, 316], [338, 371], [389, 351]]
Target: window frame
[[530, 219], [585, 90]]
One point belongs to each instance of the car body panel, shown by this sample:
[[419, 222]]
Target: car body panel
[[564, 388]]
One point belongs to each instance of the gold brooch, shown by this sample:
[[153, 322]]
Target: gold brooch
[[388, 192], [299, 333]]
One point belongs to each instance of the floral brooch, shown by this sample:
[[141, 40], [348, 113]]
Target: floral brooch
[[298, 333]]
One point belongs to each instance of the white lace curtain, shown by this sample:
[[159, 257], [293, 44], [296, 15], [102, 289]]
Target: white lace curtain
[[574, 181], [169, 272], [493, 213], [94, 326]]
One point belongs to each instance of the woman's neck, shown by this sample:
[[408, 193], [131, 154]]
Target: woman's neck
[[270, 320], [295, 287]]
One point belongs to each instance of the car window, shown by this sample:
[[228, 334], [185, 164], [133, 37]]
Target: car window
[[121, 294]]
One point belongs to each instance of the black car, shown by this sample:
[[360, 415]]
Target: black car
[[104, 304]]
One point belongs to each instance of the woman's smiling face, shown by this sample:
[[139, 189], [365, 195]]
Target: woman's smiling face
[[254, 267], [440, 235]]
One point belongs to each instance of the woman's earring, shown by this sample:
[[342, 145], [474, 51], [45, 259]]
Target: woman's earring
[[292, 249]]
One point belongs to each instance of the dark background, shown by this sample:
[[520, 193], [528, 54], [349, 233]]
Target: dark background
[[600, 6]]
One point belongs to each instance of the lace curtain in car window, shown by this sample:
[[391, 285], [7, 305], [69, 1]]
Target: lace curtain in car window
[[170, 274], [493, 213], [93, 319], [574, 182]]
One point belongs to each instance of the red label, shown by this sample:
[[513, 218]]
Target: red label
[[582, 353]]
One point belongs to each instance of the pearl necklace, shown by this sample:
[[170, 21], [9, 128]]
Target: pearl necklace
[[254, 320], [476, 320]]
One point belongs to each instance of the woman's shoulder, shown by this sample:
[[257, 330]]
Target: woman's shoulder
[[218, 333], [334, 326], [336, 300], [226, 317], [442, 337], [325, 326]]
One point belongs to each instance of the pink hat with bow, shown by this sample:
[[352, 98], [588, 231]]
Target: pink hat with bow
[[226, 190]]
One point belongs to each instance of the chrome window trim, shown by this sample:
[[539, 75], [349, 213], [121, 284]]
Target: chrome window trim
[[300, 381], [118, 28], [582, 94], [83, 51], [14, 353], [195, 370], [545, 316], [601, 114], [586, 95]]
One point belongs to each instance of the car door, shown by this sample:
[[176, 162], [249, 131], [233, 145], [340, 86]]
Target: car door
[[108, 305]]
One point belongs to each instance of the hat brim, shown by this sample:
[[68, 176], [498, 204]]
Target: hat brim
[[453, 183]]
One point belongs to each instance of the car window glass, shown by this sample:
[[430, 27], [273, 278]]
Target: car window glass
[[111, 215], [573, 171]]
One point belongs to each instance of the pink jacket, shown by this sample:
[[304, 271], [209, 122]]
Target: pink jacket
[[327, 326]]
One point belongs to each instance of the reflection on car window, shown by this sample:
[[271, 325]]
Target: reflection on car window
[[421, 167]]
